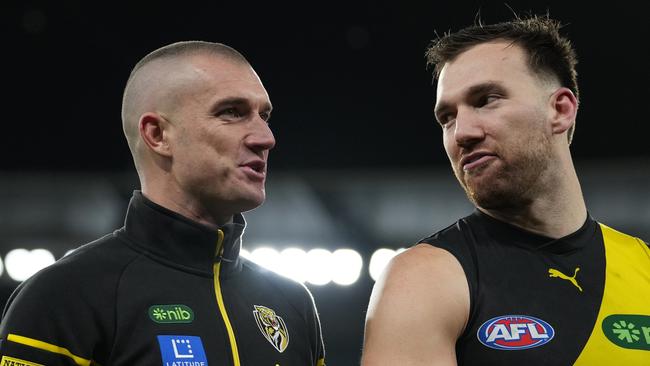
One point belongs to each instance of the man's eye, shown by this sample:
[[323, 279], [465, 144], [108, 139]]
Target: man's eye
[[265, 116], [230, 112], [444, 119], [489, 99]]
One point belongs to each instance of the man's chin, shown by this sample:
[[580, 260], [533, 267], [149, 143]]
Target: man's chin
[[486, 195], [251, 201], [479, 185], [496, 198]]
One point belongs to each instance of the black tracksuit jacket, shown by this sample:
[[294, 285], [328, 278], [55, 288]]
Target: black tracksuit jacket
[[162, 290]]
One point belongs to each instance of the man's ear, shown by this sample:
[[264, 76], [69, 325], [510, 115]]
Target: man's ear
[[565, 108], [154, 131]]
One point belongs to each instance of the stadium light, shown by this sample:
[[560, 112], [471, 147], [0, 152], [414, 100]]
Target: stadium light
[[379, 260], [346, 265], [294, 264], [317, 266], [267, 257], [21, 263]]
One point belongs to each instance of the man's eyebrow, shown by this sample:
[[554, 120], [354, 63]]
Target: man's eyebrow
[[472, 91], [239, 101], [483, 88], [231, 101]]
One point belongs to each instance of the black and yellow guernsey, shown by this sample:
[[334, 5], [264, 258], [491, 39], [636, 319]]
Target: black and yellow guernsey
[[162, 290], [583, 299]]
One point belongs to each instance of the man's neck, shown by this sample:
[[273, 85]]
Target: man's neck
[[188, 208], [556, 213], [552, 223]]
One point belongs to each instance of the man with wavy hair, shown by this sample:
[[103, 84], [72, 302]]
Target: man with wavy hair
[[530, 278]]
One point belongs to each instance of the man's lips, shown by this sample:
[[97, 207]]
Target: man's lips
[[255, 169], [475, 159]]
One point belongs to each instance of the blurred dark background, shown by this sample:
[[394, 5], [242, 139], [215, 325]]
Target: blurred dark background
[[358, 152], [348, 81]]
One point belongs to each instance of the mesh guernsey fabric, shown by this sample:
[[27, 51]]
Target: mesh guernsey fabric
[[583, 299]]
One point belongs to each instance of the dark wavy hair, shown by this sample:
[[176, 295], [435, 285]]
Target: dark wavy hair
[[549, 53]]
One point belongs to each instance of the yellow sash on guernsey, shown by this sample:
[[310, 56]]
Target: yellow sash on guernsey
[[621, 335]]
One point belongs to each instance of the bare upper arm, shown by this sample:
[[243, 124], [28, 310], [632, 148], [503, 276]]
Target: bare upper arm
[[417, 310]]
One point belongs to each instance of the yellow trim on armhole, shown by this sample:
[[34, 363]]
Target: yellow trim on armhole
[[222, 306], [627, 291], [321, 362], [47, 347]]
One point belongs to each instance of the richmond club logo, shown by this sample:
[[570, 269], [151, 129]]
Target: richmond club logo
[[515, 332], [272, 327]]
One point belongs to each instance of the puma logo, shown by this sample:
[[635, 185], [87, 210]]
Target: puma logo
[[555, 273]]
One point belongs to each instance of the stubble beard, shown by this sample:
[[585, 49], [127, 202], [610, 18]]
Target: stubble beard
[[515, 182]]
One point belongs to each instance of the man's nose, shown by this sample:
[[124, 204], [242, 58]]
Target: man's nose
[[261, 137], [468, 127]]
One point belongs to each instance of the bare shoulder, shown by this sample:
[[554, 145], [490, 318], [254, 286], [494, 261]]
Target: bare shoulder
[[422, 272], [423, 259], [417, 310]]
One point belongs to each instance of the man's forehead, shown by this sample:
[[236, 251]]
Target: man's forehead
[[236, 89], [204, 69], [486, 62], [220, 76]]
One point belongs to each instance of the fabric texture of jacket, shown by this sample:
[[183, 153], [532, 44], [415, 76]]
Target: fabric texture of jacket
[[162, 290]]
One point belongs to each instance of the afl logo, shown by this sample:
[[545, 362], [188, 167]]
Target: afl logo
[[515, 332]]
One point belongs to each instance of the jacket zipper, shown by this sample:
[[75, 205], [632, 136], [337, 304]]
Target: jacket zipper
[[222, 307]]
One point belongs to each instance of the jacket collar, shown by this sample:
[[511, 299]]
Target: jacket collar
[[180, 242]]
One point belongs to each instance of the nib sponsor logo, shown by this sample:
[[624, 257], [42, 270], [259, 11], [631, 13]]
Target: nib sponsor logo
[[515, 332], [171, 313]]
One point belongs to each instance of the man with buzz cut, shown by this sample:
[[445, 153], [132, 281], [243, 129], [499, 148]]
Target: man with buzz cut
[[530, 278], [169, 287]]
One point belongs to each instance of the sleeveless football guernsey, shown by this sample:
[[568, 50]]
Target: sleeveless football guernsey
[[583, 299]]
